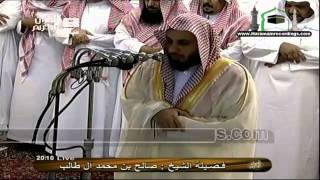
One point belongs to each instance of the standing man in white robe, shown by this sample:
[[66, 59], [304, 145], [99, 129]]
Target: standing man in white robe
[[135, 32], [226, 17], [193, 87], [234, 49], [97, 21], [10, 14], [287, 79], [40, 57]]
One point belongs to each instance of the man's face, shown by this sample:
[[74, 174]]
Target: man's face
[[303, 10], [213, 6], [181, 48], [151, 13], [152, 5]]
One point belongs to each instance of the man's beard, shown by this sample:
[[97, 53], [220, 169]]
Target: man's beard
[[193, 60], [151, 18], [208, 9]]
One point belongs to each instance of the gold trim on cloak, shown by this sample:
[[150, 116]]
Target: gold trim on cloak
[[158, 83], [196, 93]]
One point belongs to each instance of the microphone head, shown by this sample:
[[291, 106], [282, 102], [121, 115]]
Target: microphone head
[[127, 58], [157, 56]]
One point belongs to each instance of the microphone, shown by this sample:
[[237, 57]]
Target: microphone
[[141, 57], [125, 59]]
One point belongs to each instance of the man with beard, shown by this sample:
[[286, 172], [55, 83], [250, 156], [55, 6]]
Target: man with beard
[[193, 87], [226, 18], [135, 32], [287, 79]]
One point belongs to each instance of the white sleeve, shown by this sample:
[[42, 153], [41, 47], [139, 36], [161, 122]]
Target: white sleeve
[[102, 40], [233, 51], [310, 48], [264, 49], [312, 56], [11, 8], [58, 32], [124, 41], [63, 35]]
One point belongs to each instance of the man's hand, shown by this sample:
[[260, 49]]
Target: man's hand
[[149, 50], [28, 22], [81, 31], [289, 53], [169, 118], [81, 37], [3, 19]]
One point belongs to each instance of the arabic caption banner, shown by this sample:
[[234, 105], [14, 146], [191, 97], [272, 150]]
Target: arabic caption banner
[[157, 165]]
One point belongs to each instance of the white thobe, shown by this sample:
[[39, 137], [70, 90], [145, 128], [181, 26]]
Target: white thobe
[[30, 93], [289, 105], [234, 51], [186, 3], [8, 58], [135, 3], [106, 114], [181, 78], [124, 41], [212, 18]]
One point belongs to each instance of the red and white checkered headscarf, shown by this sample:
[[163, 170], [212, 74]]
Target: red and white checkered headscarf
[[28, 11], [208, 45], [75, 10], [230, 20], [145, 33]]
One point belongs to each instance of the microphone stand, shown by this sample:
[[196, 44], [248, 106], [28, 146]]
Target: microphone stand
[[89, 142], [93, 74], [52, 175]]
